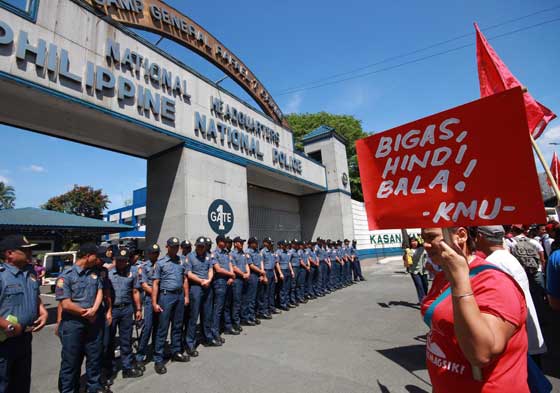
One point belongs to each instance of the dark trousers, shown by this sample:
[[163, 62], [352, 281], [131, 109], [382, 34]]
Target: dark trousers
[[148, 330], [285, 287], [421, 285], [357, 269], [201, 300], [294, 286], [80, 338], [315, 280], [220, 290], [239, 293], [228, 302], [324, 276], [336, 269], [173, 305], [122, 319], [266, 298], [15, 364], [301, 284], [248, 309]]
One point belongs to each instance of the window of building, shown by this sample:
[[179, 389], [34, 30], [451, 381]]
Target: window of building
[[24, 8], [316, 155], [127, 221], [141, 220]]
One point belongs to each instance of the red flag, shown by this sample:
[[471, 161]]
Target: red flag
[[495, 77], [554, 169]]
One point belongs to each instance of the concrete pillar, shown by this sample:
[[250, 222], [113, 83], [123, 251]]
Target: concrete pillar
[[182, 184], [328, 214]]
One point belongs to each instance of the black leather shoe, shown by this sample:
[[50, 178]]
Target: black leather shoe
[[192, 352], [222, 340], [284, 308], [291, 305], [265, 317], [275, 311], [303, 301], [180, 357], [248, 323], [257, 322], [362, 279], [232, 332], [212, 343], [140, 366], [132, 373], [160, 368]]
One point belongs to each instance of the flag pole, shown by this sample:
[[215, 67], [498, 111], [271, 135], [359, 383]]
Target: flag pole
[[546, 169]]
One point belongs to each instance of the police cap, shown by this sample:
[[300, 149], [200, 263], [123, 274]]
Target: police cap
[[123, 254], [200, 241], [152, 249], [220, 238], [268, 240], [185, 244], [237, 239], [228, 239], [252, 240], [173, 241], [14, 242]]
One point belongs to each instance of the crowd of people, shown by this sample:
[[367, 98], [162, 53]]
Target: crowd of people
[[492, 288], [194, 294]]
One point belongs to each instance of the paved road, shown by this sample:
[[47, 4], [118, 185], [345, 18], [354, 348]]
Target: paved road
[[365, 338]]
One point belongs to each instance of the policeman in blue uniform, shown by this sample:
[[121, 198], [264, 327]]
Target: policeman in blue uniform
[[186, 248], [200, 271], [146, 280], [323, 284], [311, 274], [170, 294], [357, 264], [285, 275], [241, 269], [80, 291], [105, 311], [266, 306], [222, 285], [304, 270], [249, 313], [334, 272], [21, 313], [296, 260], [348, 264], [126, 306]]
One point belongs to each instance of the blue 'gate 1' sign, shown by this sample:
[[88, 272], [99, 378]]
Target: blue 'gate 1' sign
[[220, 217]]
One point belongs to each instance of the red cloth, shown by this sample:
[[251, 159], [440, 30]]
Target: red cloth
[[497, 294], [495, 77], [555, 169]]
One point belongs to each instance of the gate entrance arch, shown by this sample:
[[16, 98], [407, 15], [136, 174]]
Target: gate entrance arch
[[71, 69]]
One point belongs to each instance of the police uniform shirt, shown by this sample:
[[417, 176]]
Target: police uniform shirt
[[122, 281], [146, 274], [307, 253], [222, 258], [295, 258], [321, 253], [19, 294], [269, 258], [240, 259], [170, 273], [255, 257], [352, 251], [79, 285], [283, 259], [199, 265]]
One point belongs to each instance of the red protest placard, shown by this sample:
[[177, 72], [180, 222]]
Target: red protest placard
[[470, 165]]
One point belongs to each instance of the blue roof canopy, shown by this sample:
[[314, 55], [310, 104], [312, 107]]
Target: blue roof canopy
[[30, 218], [322, 132]]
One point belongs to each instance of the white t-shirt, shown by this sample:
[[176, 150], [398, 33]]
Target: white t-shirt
[[509, 264]]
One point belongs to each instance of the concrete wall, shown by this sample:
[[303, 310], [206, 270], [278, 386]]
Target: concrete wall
[[183, 183]]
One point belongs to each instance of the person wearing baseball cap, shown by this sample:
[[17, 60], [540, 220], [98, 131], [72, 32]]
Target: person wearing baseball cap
[[186, 248], [23, 313], [126, 307], [295, 263], [284, 275], [255, 280], [490, 240], [200, 271], [170, 295], [240, 267], [266, 304], [80, 293], [146, 282], [222, 285]]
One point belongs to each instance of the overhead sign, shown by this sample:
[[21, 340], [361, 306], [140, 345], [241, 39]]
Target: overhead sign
[[159, 18], [220, 217], [471, 165]]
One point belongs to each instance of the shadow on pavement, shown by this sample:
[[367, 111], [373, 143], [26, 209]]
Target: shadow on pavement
[[399, 303], [409, 388], [411, 357]]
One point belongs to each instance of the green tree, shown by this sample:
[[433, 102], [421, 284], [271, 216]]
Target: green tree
[[346, 125], [81, 201], [7, 196]]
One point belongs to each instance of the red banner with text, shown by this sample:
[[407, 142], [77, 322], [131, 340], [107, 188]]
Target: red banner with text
[[470, 165]]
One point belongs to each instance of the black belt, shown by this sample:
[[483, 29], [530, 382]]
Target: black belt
[[122, 305], [173, 292]]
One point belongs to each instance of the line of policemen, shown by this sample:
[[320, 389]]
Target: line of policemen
[[226, 288]]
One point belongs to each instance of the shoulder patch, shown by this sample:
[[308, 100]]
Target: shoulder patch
[[60, 282]]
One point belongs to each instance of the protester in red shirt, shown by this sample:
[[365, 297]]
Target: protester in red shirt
[[477, 341]]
